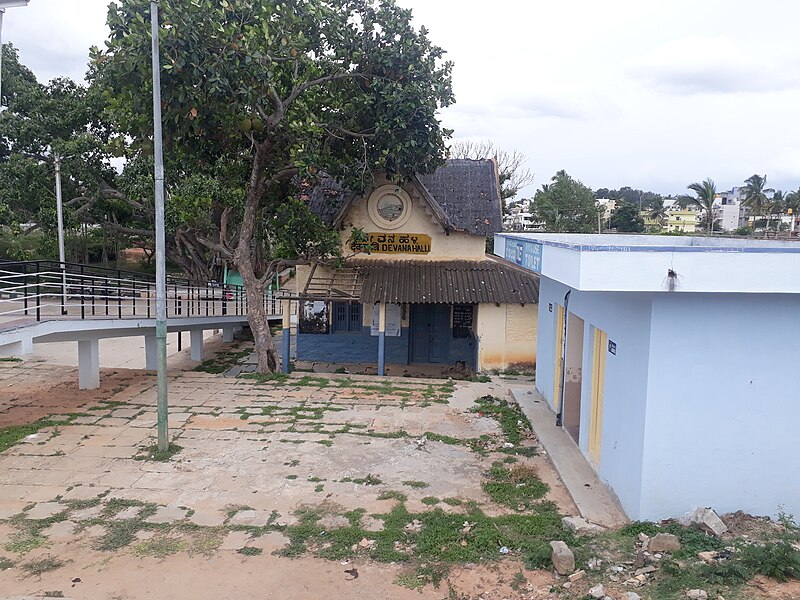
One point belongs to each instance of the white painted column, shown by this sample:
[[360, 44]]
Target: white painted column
[[196, 342], [227, 334], [88, 364], [150, 353]]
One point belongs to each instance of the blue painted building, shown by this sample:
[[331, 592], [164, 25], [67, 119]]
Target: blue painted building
[[420, 288], [664, 358]]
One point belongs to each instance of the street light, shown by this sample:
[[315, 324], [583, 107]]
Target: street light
[[4, 4], [161, 275]]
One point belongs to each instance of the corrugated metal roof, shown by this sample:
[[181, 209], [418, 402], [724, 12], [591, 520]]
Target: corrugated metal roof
[[446, 281]]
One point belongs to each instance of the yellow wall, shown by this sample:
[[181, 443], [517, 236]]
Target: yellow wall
[[457, 244], [684, 221], [507, 336]]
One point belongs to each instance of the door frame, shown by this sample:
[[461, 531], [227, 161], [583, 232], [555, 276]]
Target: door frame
[[561, 324], [599, 352]]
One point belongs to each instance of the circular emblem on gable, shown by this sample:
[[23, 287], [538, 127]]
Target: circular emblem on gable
[[389, 207]]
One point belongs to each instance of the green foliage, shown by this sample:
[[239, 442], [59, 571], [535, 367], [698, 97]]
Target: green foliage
[[11, 435], [565, 205], [430, 500], [416, 484], [152, 453], [626, 219], [509, 415], [518, 487], [250, 551], [42, 565], [777, 559]]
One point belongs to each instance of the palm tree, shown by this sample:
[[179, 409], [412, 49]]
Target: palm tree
[[657, 212], [755, 198], [706, 192], [776, 207], [793, 204]]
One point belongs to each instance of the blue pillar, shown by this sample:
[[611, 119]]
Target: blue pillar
[[381, 339], [286, 336], [382, 353], [285, 345]]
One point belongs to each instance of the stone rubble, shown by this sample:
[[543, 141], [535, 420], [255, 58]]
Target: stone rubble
[[704, 519], [598, 591], [663, 542], [562, 557]]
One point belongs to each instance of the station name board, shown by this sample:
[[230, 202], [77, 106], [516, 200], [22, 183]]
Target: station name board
[[394, 243]]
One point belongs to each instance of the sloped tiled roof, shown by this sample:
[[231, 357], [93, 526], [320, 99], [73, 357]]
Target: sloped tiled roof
[[469, 193], [445, 281], [465, 194]]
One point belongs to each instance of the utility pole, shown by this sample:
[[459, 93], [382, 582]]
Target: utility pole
[[161, 275], [61, 253]]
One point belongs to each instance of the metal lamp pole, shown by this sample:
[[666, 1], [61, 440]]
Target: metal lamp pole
[[4, 4], [61, 253], [161, 287]]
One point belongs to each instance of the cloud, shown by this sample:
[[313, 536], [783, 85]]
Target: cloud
[[713, 65], [535, 105]]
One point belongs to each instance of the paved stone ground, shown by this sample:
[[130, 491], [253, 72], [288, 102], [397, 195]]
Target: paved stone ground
[[251, 454]]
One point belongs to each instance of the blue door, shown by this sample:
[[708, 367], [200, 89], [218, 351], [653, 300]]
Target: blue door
[[430, 333]]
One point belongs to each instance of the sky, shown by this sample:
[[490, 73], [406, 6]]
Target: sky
[[654, 95]]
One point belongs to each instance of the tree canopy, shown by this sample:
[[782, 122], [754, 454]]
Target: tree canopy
[[565, 205], [260, 96], [627, 219]]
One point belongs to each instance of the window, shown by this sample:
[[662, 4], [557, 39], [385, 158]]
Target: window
[[462, 320], [346, 317]]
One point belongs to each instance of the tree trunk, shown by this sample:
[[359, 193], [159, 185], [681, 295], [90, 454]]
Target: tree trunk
[[266, 352]]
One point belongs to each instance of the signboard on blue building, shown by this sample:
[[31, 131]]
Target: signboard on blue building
[[525, 253]]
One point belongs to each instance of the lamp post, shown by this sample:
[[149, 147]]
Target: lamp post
[[161, 288], [4, 4], [61, 253]]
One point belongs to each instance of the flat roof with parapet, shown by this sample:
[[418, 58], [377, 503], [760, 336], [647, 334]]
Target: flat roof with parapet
[[657, 263], [609, 242]]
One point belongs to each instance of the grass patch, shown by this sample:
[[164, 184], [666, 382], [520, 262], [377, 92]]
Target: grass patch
[[160, 547], [452, 501], [25, 541], [430, 500], [417, 485], [222, 361], [393, 495], [509, 415], [262, 378], [516, 487], [10, 359], [152, 453], [43, 565], [9, 436], [250, 551], [6, 563]]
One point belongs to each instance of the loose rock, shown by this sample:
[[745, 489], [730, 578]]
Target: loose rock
[[562, 557], [580, 526], [705, 519], [697, 594], [577, 575], [664, 542], [598, 591], [631, 596]]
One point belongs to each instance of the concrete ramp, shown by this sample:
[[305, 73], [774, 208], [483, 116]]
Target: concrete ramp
[[596, 502]]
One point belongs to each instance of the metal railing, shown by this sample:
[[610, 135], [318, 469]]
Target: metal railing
[[45, 289]]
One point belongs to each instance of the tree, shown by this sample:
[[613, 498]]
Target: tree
[[704, 200], [754, 196], [267, 95], [793, 205], [565, 205], [627, 219], [513, 174], [658, 212]]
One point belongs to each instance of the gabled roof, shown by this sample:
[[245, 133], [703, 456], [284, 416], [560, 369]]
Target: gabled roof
[[464, 195], [468, 191]]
